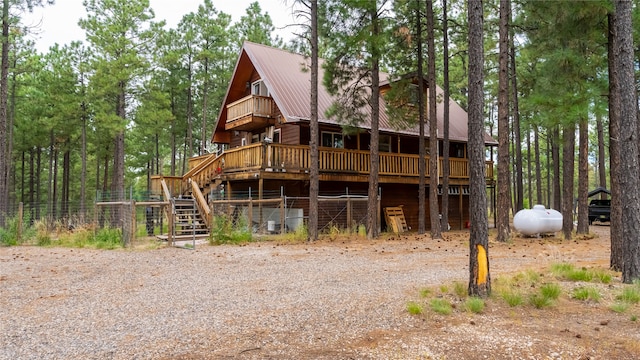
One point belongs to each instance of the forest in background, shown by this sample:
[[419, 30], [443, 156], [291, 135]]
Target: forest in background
[[139, 98]]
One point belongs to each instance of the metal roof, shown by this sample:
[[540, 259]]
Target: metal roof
[[287, 77]]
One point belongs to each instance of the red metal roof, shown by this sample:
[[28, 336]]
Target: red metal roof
[[287, 78]]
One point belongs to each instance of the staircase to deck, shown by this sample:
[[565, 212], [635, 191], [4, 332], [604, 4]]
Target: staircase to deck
[[189, 213], [188, 221]]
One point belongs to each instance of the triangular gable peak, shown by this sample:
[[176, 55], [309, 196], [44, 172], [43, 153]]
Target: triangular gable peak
[[286, 79]]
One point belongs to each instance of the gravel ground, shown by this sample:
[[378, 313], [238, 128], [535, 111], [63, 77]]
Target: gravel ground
[[331, 300]]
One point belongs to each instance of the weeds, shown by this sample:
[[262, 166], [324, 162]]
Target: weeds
[[551, 291], [441, 306], [15, 232], [619, 307], [474, 305], [586, 293], [224, 231], [539, 301], [414, 308], [512, 298], [460, 289], [630, 295], [569, 272]]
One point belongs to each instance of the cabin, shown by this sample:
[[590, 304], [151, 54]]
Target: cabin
[[262, 144]]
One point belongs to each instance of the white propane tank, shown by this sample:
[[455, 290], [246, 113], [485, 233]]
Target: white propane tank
[[537, 221]]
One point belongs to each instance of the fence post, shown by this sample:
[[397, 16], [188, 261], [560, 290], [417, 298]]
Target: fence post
[[134, 223], [349, 216], [283, 221], [378, 212], [250, 214], [20, 214]]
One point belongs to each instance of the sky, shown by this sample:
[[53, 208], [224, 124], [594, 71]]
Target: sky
[[59, 23]]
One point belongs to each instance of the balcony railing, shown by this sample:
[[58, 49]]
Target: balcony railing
[[249, 111]]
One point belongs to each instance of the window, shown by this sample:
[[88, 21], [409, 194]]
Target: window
[[414, 91], [331, 139], [276, 136], [259, 88], [384, 143]]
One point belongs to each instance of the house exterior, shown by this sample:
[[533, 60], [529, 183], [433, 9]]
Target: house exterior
[[262, 136]]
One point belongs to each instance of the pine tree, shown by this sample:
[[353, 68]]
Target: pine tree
[[479, 276]]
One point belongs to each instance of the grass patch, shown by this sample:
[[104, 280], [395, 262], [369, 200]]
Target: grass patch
[[551, 291], [474, 305], [17, 231], [425, 292], [566, 271], [512, 298], [414, 308], [540, 301], [619, 307], [441, 306], [630, 295], [460, 290], [603, 276], [526, 279], [586, 293], [225, 231], [107, 238]]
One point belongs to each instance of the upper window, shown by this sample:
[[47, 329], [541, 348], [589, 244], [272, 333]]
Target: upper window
[[384, 143], [259, 88], [331, 139]]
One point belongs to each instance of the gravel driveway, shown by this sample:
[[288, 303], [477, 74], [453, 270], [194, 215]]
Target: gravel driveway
[[263, 300]]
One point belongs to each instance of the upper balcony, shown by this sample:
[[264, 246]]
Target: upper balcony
[[250, 112]]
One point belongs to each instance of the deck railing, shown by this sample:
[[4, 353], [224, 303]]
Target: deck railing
[[296, 158], [173, 185], [292, 158], [250, 105]]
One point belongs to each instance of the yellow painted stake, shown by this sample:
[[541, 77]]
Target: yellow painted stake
[[483, 265]]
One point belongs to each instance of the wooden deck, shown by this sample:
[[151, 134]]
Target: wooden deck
[[292, 162]]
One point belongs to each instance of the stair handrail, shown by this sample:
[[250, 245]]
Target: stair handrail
[[201, 203], [200, 167], [165, 190]]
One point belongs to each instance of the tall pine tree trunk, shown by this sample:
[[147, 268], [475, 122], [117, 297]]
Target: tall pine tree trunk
[[629, 171], [617, 257], [445, 143], [205, 109], [568, 156], [372, 203], [314, 175], [602, 170], [4, 82], [50, 190], [519, 181], [433, 127], [504, 193], [536, 145], [583, 177], [422, 153], [479, 276], [529, 174], [555, 155], [38, 190]]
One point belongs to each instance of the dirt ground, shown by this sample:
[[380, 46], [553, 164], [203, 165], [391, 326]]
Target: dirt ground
[[376, 327], [577, 329]]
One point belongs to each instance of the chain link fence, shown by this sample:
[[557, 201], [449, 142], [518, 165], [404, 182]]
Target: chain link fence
[[135, 215]]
